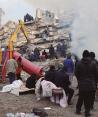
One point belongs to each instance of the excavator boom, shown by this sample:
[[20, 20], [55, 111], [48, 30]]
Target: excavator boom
[[23, 29], [13, 37]]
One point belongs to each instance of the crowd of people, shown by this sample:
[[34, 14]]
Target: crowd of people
[[49, 53], [85, 70]]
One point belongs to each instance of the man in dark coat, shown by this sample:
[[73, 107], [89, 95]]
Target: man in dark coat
[[62, 80], [85, 72], [51, 74], [28, 18], [51, 51], [36, 54], [58, 49], [31, 81], [92, 56], [63, 50]]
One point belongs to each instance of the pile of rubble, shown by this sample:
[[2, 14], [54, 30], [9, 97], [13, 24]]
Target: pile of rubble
[[44, 30]]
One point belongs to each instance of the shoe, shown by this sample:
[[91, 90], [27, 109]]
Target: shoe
[[69, 103], [87, 115], [78, 112], [92, 108]]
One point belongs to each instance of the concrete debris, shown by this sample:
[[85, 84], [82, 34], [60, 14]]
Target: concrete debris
[[43, 30], [58, 63], [1, 14]]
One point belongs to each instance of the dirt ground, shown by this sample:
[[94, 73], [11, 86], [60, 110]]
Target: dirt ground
[[26, 102], [10, 103]]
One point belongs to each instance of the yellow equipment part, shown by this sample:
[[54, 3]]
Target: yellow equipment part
[[14, 36], [0, 55], [11, 48], [19, 27]]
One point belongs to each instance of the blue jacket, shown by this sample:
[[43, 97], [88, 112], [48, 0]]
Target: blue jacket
[[69, 65]]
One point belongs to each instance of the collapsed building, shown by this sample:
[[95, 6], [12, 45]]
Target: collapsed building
[[43, 30]]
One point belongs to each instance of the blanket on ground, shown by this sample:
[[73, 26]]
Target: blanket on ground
[[15, 87]]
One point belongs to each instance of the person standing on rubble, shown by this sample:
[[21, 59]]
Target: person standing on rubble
[[32, 57], [86, 72], [69, 66], [45, 54], [63, 50], [58, 49], [36, 54], [51, 51], [11, 67]]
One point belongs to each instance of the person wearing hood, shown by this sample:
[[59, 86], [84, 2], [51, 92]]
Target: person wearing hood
[[92, 56], [85, 72]]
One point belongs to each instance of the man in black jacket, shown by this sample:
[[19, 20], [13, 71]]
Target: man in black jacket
[[62, 80], [92, 56], [31, 81], [51, 74], [85, 72]]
